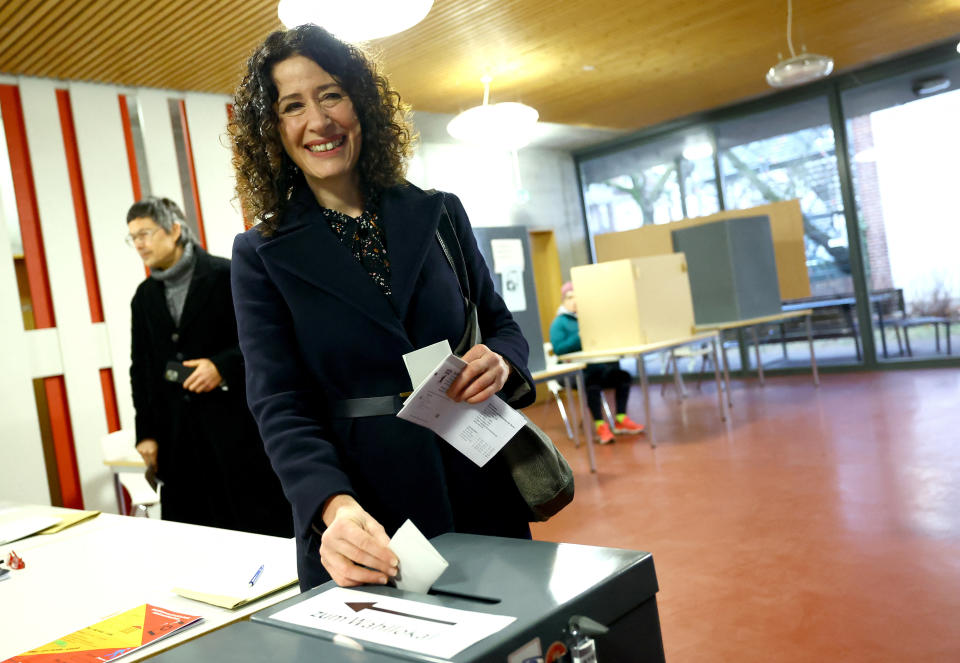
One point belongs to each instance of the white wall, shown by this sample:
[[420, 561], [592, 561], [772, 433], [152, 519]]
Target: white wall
[[485, 182]]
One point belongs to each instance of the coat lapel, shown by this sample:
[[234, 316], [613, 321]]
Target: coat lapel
[[410, 217], [307, 248]]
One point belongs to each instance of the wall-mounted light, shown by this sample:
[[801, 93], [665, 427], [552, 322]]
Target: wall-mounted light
[[357, 20]]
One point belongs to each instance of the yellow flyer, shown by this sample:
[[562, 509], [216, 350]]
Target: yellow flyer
[[110, 639]]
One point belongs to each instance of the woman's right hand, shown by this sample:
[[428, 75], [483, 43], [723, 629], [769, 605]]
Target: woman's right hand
[[354, 547]]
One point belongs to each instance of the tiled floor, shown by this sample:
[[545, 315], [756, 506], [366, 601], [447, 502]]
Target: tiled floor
[[823, 525]]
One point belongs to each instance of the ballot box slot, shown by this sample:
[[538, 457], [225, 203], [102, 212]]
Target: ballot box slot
[[487, 600]]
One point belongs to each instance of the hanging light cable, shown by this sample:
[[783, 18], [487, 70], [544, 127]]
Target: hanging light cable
[[798, 69]]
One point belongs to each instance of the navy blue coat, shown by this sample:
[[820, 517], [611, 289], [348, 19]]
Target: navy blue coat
[[315, 328]]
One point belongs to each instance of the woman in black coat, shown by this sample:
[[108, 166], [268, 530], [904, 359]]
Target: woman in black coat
[[187, 379], [341, 277]]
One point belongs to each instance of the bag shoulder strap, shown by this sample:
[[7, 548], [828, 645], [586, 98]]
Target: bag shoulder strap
[[450, 243]]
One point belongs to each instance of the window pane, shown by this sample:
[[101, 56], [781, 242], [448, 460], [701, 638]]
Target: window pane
[[905, 157], [660, 181]]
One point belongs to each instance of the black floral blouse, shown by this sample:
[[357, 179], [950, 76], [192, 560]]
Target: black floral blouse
[[364, 238]]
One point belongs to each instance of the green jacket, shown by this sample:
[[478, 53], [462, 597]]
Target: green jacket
[[565, 334]]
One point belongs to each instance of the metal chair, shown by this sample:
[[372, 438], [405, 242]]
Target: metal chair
[[132, 487]]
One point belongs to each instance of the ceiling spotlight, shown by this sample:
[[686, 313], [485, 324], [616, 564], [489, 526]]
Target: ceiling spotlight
[[508, 124], [931, 85], [358, 20], [798, 69]]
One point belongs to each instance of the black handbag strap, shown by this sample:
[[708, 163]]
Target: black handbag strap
[[450, 243]]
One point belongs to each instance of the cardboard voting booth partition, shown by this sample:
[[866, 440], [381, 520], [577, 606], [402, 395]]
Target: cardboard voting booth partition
[[733, 271], [521, 594], [631, 302], [786, 232]]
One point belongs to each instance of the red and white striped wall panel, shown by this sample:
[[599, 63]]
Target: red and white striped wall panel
[[109, 194], [65, 270], [158, 144], [222, 220], [23, 475]]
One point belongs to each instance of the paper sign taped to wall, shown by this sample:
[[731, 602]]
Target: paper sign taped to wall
[[507, 255], [514, 295]]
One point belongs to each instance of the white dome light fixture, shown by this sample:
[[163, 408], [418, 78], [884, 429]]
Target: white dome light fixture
[[357, 20], [508, 124], [798, 69]]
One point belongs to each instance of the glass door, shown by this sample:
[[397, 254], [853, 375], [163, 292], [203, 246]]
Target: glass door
[[904, 144]]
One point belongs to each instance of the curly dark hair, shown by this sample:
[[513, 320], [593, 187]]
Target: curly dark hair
[[265, 173]]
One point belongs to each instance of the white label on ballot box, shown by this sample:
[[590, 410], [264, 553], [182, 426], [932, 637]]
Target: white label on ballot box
[[477, 431], [409, 625]]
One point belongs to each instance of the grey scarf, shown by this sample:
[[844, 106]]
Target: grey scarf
[[176, 281]]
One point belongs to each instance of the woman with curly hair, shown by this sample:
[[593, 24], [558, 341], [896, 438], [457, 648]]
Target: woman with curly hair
[[343, 274]]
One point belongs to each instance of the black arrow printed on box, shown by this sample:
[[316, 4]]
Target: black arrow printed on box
[[357, 607]]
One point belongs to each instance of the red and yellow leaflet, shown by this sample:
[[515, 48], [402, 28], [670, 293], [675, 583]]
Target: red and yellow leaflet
[[111, 638]]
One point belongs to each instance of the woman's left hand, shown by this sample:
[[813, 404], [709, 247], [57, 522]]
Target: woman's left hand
[[485, 374]]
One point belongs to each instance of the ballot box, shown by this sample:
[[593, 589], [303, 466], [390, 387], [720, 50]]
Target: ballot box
[[528, 591]]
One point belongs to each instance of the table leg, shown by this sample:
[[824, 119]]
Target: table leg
[[118, 489], [568, 394], [677, 379], [582, 397], [645, 388], [813, 357], [724, 414], [756, 347], [726, 371]]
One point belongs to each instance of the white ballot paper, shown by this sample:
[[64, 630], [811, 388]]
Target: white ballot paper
[[411, 625], [420, 363], [477, 431], [420, 563]]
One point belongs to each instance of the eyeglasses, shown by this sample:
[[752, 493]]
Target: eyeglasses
[[142, 236]]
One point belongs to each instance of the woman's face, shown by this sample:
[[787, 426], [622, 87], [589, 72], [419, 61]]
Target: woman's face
[[318, 126], [570, 302]]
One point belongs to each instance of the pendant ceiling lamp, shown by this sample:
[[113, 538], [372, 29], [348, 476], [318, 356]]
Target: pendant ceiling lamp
[[357, 20], [798, 69], [508, 124]]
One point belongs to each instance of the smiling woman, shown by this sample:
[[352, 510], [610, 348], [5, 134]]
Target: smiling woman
[[342, 276]]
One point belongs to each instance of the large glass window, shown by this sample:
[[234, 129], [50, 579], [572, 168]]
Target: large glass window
[[656, 182], [904, 146]]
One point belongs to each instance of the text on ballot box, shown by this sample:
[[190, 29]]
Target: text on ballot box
[[394, 622]]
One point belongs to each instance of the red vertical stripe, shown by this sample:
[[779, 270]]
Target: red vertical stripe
[[26, 196], [131, 152], [110, 399], [193, 172], [63, 442], [80, 206]]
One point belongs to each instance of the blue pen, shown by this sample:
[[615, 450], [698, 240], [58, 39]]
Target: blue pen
[[256, 575]]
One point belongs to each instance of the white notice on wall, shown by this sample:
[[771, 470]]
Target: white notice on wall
[[507, 255], [410, 625], [514, 295]]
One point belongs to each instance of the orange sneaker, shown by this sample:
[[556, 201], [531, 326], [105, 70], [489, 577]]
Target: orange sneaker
[[604, 434], [628, 425]]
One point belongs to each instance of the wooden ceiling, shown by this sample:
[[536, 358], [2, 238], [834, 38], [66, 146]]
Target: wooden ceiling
[[619, 64]]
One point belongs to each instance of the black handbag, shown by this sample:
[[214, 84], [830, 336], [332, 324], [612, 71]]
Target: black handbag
[[541, 473]]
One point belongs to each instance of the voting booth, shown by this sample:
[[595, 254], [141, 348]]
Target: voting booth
[[518, 596], [624, 303]]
